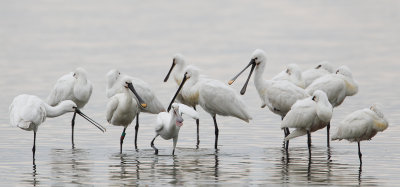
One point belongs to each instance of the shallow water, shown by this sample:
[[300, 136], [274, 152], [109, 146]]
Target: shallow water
[[43, 40]]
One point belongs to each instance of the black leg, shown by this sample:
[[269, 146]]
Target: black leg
[[309, 142], [34, 146], [154, 147], [72, 126], [327, 133], [173, 152], [216, 132], [198, 130], [136, 130], [287, 132], [359, 153], [121, 141]]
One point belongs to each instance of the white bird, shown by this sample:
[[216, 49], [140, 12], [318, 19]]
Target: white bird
[[28, 112], [292, 74], [73, 86], [308, 115], [213, 96], [336, 86], [320, 70], [122, 108], [115, 85], [169, 124], [180, 63], [279, 95], [361, 125]]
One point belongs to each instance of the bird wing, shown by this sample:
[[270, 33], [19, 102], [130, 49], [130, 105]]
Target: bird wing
[[281, 95], [354, 126], [334, 88], [217, 98], [111, 107], [26, 110], [302, 115], [183, 109], [62, 90], [144, 90]]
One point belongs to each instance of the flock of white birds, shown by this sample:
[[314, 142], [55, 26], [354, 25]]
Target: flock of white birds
[[304, 100]]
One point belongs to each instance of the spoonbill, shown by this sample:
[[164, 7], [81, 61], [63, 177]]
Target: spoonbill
[[214, 97], [292, 74], [28, 112], [169, 124], [114, 86], [308, 115], [361, 125], [122, 108], [73, 86], [278, 95], [180, 64], [336, 86], [320, 70]]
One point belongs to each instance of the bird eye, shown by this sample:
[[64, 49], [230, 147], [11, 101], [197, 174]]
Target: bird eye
[[126, 83], [256, 58], [337, 71], [318, 66], [313, 98], [74, 74]]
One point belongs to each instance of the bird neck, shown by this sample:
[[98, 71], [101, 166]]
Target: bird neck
[[55, 111], [172, 122]]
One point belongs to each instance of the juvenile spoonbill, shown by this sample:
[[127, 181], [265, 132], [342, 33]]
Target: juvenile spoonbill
[[308, 115], [361, 125], [278, 95], [73, 86], [179, 62], [292, 74], [28, 112], [122, 108], [114, 86], [169, 124], [214, 97], [336, 86], [320, 70]]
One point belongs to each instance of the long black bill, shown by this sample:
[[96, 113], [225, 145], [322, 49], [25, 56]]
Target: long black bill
[[169, 72], [90, 120], [177, 92], [130, 86], [234, 78], [252, 63], [247, 81]]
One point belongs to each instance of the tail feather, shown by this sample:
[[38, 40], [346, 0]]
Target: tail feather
[[296, 133]]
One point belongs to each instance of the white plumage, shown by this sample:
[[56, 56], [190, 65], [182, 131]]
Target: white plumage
[[323, 68], [213, 96], [73, 86], [115, 85], [277, 95], [361, 125], [293, 74], [122, 108], [28, 112], [169, 124], [308, 115]]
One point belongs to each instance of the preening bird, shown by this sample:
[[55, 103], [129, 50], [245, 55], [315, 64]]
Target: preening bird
[[122, 108], [179, 63], [28, 112], [169, 124], [73, 86], [277, 95], [213, 96], [323, 68], [361, 125], [116, 85], [336, 86], [308, 115]]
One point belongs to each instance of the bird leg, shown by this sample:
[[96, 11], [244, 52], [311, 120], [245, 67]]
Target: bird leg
[[152, 145], [359, 152], [121, 141], [72, 126], [327, 133], [34, 146], [309, 142], [136, 130], [198, 131], [287, 132], [175, 140], [216, 132]]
